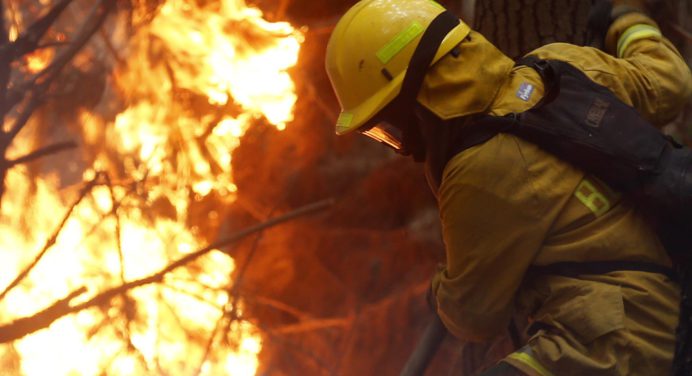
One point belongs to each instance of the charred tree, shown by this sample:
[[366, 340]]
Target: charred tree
[[519, 26]]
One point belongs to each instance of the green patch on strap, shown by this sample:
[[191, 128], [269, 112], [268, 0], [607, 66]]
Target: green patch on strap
[[399, 42], [589, 195]]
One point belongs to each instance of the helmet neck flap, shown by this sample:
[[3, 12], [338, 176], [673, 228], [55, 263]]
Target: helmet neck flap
[[400, 113]]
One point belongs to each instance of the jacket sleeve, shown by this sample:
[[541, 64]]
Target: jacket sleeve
[[657, 78], [642, 67], [496, 208]]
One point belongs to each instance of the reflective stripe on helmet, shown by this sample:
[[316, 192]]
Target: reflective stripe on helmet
[[344, 120], [401, 40]]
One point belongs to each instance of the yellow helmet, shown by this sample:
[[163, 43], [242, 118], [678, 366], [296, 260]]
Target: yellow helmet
[[369, 53]]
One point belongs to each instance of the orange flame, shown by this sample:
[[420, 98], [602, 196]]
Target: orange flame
[[224, 53], [39, 59]]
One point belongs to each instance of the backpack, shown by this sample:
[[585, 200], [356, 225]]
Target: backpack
[[585, 124]]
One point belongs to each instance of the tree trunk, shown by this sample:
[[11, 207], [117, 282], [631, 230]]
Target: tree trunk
[[519, 26]]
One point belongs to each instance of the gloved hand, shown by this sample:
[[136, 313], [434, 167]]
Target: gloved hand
[[604, 12], [622, 7], [641, 5], [430, 297], [598, 23]]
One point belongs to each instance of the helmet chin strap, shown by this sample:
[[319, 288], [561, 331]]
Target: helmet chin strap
[[406, 102]]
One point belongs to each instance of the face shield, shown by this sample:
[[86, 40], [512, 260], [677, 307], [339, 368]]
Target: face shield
[[386, 133], [392, 126]]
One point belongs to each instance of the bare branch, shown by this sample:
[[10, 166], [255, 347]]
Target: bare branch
[[251, 230], [28, 42], [235, 289], [42, 152], [22, 119], [294, 347], [50, 242], [313, 96], [278, 305], [681, 31], [53, 44], [312, 325], [118, 231], [4, 37], [202, 299], [280, 13], [111, 48], [9, 333], [210, 343], [42, 81], [27, 325], [128, 303], [5, 61]]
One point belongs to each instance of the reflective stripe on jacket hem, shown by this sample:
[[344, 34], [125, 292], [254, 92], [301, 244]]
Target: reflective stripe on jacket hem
[[524, 360]]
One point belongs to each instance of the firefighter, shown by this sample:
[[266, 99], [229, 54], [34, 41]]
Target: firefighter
[[506, 205]]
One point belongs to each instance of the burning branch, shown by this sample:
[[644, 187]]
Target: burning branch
[[50, 242], [230, 311], [5, 61], [297, 348], [28, 42], [316, 324], [38, 86], [42, 152], [27, 325], [132, 124], [40, 83], [23, 45]]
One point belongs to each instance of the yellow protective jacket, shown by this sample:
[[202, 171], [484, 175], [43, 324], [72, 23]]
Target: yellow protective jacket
[[506, 205]]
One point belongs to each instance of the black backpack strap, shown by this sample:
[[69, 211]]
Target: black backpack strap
[[424, 54], [575, 269], [461, 134], [482, 128], [549, 75], [479, 130], [682, 361], [418, 66]]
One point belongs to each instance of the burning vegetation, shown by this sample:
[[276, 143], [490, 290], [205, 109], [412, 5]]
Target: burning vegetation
[[104, 270], [150, 146]]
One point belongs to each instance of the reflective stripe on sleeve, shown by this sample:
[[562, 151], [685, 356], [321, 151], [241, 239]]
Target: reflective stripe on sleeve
[[525, 358], [633, 33]]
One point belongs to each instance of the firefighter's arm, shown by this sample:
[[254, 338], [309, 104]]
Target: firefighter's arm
[[494, 218], [654, 74]]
